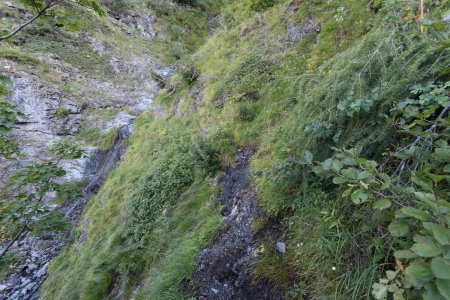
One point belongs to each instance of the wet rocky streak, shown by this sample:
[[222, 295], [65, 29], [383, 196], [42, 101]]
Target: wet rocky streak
[[224, 269], [25, 282]]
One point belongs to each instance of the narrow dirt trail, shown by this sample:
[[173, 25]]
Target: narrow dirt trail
[[224, 269]]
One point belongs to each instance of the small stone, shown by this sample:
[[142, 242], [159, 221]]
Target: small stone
[[215, 291], [3, 287], [32, 267], [25, 281], [281, 247], [42, 271]]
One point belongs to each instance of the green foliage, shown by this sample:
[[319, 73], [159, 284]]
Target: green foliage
[[164, 211], [159, 189], [206, 156], [352, 107], [190, 73], [246, 112], [412, 191], [17, 55], [89, 135], [260, 5], [244, 83], [108, 140], [187, 2], [23, 201], [61, 112], [336, 248], [9, 115]]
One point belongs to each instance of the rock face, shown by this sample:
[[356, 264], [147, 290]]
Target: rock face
[[54, 114], [298, 32], [224, 269]]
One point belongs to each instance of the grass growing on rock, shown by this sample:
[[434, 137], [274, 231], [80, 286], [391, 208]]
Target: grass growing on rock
[[294, 100], [138, 247]]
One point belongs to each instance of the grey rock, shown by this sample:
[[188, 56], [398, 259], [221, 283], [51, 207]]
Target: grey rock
[[446, 19], [298, 32], [3, 287], [281, 247], [215, 291], [28, 288], [15, 295], [42, 271]]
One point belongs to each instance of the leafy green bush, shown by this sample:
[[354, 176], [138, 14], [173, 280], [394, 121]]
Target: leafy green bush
[[206, 156], [410, 191], [246, 80], [190, 73], [158, 189]]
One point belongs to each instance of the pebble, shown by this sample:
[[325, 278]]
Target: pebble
[[3, 287], [215, 291], [281, 247]]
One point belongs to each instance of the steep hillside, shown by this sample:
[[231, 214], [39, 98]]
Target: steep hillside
[[300, 151]]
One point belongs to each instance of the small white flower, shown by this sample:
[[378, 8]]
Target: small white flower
[[333, 268]]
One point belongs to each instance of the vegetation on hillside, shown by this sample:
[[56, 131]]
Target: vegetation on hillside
[[347, 103]]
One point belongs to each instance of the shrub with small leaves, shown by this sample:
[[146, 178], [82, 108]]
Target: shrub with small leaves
[[23, 200], [410, 191]]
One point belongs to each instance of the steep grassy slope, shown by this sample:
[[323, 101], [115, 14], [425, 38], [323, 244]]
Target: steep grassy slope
[[295, 80]]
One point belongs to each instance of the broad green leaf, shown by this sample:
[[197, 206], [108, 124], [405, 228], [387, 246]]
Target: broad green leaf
[[426, 249], [379, 291], [443, 286], [399, 228], [359, 196], [443, 153], [432, 293], [422, 181], [440, 267], [382, 204], [409, 211], [391, 274], [418, 273], [351, 173], [404, 254], [339, 180], [447, 168], [441, 234]]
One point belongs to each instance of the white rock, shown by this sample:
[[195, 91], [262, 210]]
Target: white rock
[[281, 247]]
